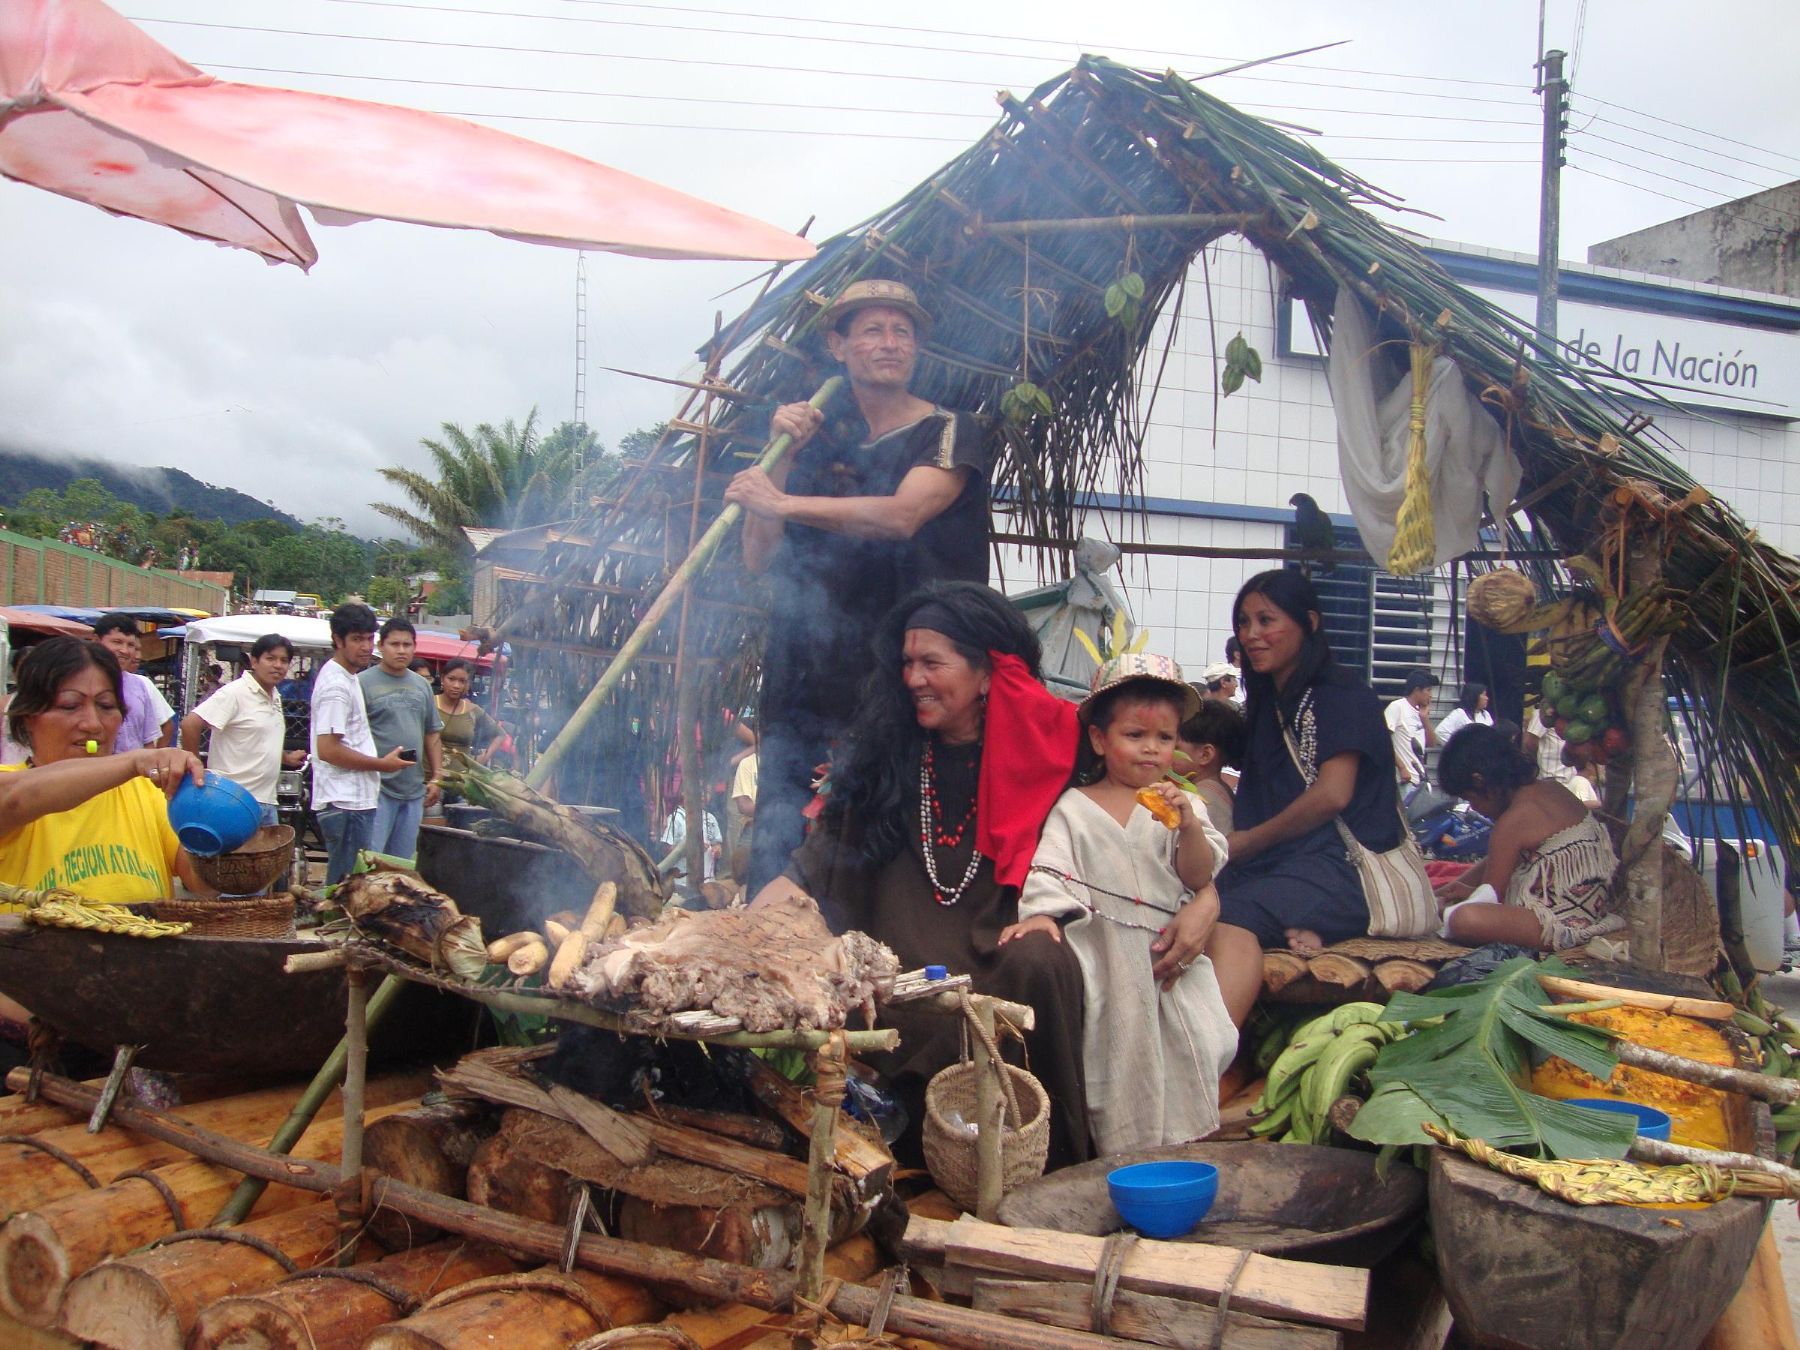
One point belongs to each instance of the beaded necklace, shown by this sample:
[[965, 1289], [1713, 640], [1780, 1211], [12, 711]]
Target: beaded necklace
[[930, 840]]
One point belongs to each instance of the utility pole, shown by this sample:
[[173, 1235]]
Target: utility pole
[[581, 331], [1556, 122]]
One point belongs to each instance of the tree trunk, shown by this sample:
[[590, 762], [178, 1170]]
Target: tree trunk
[[520, 1313], [429, 1147], [1654, 777], [500, 1177], [31, 1178], [730, 1324], [334, 1314], [150, 1300], [42, 1250]]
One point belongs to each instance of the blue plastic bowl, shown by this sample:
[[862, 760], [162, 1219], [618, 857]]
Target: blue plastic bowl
[[214, 819], [1163, 1199], [1651, 1123]]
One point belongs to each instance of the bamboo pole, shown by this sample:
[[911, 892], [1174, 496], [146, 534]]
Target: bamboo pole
[[695, 564], [1180, 220], [356, 1069], [990, 1120], [330, 1074]]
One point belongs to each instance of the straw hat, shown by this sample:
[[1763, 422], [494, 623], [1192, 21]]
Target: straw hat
[[862, 294], [1130, 666]]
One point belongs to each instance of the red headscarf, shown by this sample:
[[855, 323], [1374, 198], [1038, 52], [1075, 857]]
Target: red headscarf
[[1027, 755]]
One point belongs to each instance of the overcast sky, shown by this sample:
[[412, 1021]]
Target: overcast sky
[[127, 341]]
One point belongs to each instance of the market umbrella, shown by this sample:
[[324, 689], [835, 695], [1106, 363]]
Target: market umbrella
[[92, 108]]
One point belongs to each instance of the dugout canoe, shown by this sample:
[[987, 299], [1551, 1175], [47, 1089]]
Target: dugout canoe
[[1522, 1270], [201, 1004]]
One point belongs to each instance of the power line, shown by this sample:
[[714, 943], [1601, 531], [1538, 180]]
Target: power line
[[1765, 216], [1635, 187], [1686, 164], [1676, 140], [798, 107], [1700, 131]]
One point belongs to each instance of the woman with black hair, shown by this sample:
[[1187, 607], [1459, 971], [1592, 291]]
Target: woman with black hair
[[1470, 710], [955, 758], [1316, 750], [1547, 879], [76, 816]]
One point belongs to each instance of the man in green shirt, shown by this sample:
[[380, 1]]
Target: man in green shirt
[[403, 715]]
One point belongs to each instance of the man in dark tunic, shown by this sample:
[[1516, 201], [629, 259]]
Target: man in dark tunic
[[883, 492]]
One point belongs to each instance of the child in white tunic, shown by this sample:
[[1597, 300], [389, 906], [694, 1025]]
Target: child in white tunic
[[1133, 897]]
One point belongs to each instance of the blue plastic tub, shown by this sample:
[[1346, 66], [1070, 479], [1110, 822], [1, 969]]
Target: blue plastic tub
[[1651, 1123], [1163, 1199], [214, 819]]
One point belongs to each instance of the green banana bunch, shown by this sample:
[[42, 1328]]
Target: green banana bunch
[[1316, 1068]]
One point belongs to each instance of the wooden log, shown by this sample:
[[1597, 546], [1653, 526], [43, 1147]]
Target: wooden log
[[965, 1328], [1762, 1086], [694, 1276], [738, 1325], [30, 1178], [1707, 1009], [1270, 1286], [150, 1300], [854, 1152], [745, 1233], [488, 1079], [1148, 1317], [429, 1147], [339, 1314], [751, 1130], [542, 1308], [1347, 972], [1280, 969], [42, 1250], [1760, 1317], [502, 1177], [1403, 976]]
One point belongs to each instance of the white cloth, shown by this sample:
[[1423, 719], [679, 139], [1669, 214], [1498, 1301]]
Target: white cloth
[[743, 782], [338, 708], [1152, 1059], [675, 835], [1458, 718], [1465, 448], [1406, 725], [1550, 761], [248, 730]]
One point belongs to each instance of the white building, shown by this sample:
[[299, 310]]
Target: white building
[[1220, 471]]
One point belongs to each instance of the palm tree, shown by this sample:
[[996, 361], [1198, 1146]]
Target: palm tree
[[503, 478]]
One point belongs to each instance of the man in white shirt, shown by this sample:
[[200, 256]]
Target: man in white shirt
[[1406, 723], [149, 720], [674, 836], [248, 727], [346, 770]]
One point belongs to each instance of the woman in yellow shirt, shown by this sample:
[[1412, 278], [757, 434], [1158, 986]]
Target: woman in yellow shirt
[[76, 816]]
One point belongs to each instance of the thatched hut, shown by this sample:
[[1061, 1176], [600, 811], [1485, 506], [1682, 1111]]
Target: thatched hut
[[1025, 246]]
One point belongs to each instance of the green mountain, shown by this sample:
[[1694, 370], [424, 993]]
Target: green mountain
[[159, 491]]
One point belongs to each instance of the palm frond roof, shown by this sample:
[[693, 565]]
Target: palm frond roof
[[1105, 141]]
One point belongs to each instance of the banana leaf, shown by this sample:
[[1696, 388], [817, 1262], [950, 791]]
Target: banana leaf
[[1472, 1070]]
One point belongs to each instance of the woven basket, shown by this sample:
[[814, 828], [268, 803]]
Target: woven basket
[[950, 1151], [269, 916], [252, 868]]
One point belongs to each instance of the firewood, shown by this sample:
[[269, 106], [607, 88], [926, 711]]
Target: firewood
[[748, 1232], [30, 1178], [429, 1147], [1403, 976], [1147, 1317], [854, 1152], [751, 1130], [1710, 1010], [150, 1300], [42, 1250], [1335, 968], [617, 1134], [520, 1312], [732, 1324], [334, 1314], [965, 1328], [1280, 969], [1270, 1286], [500, 1177]]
